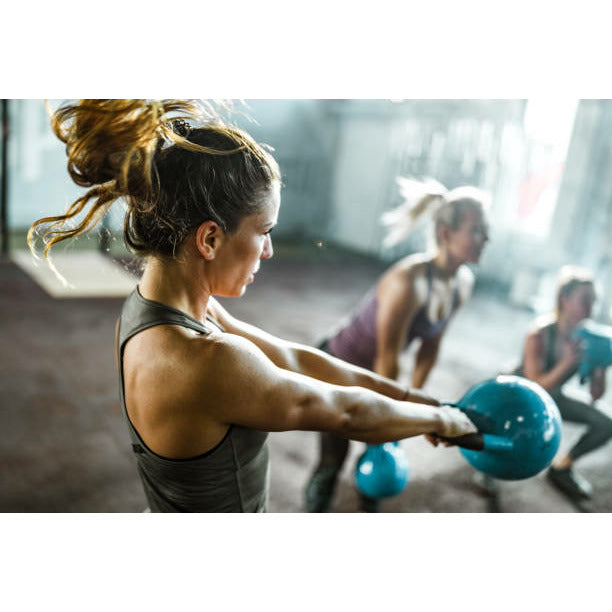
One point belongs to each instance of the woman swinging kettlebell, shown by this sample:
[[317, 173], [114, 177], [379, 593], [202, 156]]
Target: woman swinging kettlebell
[[414, 299]]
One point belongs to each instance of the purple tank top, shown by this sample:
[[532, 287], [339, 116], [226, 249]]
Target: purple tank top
[[355, 341]]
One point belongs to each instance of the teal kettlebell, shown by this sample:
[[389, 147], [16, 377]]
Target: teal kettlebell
[[382, 470], [519, 433], [519, 428], [596, 341]]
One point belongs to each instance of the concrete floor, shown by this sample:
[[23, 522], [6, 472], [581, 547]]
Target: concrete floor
[[64, 446]]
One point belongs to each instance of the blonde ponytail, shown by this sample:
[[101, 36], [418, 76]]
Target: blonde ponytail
[[420, 197]]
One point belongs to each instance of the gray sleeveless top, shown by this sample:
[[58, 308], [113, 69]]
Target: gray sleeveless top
[[231, 477]]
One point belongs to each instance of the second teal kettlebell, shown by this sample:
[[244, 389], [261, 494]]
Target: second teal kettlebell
[[382, 470]]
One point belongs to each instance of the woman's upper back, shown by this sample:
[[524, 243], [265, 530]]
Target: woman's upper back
[[188, 461]]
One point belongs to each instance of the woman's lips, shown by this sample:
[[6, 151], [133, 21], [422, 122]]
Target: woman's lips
[[252, 276]]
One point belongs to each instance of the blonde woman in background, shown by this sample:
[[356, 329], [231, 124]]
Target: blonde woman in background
[[414, 299]]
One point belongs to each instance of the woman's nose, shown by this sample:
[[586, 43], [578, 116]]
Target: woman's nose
[[268, 251]]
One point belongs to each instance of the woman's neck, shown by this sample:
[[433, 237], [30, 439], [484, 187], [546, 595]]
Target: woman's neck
[[445, 266], [565, 326], [176, 284]]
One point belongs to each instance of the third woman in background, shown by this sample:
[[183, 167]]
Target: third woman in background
[[551, 356]]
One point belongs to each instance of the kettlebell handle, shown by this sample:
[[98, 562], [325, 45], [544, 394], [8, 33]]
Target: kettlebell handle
[[473, 441], [478, 441]]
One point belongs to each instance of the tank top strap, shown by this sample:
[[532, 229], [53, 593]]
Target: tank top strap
[[215, 323], [456, 298], [140, 313], [551, 337], [429, 280]]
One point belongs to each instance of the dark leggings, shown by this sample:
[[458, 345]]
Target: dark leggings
[[599, 429], [332, 448]]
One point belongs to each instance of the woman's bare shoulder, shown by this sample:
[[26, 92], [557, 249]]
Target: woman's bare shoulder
[[542, 322], [407, 279], [408, 269], [167, 366], [413, 264], [170, 378], [166, 351], [536, 332]]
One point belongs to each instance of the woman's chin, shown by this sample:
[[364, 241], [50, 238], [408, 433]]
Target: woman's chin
[[242, 290], [237, 291], [231, 293]]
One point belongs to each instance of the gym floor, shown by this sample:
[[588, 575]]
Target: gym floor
[[65, 448]]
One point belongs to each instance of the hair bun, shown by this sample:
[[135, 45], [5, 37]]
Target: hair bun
[[181, 127]]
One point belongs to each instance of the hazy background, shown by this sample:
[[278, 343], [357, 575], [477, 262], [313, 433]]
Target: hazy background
[[545, 161]]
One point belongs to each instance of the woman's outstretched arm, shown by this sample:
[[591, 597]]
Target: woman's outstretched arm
[[308, 361], [247, 389]]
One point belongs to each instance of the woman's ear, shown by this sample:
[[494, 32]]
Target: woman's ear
[[208, 237], [563, 302], [443, 233]]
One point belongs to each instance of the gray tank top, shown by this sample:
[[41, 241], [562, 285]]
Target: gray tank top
[[231, 477]]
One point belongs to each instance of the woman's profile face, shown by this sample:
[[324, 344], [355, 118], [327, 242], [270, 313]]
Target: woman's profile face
[[466, 243], [240, 255], [578, 305]]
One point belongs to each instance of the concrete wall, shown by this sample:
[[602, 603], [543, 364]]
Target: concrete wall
[[39, 184], [300, 131], [474, 142], [303, 134], [583, 216]]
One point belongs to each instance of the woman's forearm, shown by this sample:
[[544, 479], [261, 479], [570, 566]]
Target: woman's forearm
[[387, 365], [370, 418], [421, 371], [553, 378], [425, 360], [598, 383], [390, 420]]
